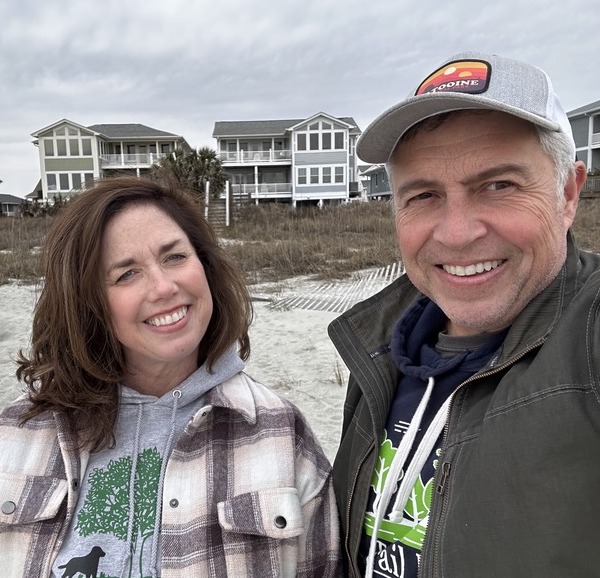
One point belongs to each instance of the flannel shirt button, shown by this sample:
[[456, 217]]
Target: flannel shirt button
[[75, 484], [8, 508], [280, 522], [174, 503]]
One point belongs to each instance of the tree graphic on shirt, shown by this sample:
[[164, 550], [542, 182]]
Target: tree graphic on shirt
[[106, 506], [411, 529]]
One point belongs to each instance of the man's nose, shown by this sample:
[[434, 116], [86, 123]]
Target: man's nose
[[459, 223]]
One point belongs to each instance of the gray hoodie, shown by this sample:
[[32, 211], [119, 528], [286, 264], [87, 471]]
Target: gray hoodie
[[115, 528]]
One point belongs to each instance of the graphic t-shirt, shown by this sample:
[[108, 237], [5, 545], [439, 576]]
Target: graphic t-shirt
[[420, 353]]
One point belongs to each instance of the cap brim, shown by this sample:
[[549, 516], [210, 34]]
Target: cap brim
[[379, 140]]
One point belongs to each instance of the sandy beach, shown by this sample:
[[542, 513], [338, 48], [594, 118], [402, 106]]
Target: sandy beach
[[291, 352]]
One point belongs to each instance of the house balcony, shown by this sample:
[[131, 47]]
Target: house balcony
[[591, 187], [130, 161], [263, 191], [255, 157]]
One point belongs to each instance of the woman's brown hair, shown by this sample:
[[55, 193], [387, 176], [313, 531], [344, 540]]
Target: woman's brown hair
[[75, 362]]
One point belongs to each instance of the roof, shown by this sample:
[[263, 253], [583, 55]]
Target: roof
[[11, 199], [269, 128], [119, 131], [587, 109]]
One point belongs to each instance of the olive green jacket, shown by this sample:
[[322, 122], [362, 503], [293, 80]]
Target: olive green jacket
[[516, 491]]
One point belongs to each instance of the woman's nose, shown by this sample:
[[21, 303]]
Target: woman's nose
[[161, 284]]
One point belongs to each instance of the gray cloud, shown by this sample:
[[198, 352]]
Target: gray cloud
[[182, 65]]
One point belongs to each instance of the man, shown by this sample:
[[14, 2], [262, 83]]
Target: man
[[471, 434]]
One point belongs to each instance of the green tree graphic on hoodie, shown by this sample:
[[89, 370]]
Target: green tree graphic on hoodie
[[106, 506], [411, 531]]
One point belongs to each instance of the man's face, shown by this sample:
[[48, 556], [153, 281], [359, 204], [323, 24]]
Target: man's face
[[478, 220]]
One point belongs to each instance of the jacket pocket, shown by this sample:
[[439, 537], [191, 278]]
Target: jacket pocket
[[28, 499], [274, 513]]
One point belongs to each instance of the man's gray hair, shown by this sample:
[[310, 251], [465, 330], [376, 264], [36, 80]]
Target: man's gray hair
[[560, 150]]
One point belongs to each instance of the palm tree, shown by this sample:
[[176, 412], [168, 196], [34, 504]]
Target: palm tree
[[192, 170], [211, 170]]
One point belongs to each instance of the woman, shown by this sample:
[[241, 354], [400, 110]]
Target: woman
[[143, 449]]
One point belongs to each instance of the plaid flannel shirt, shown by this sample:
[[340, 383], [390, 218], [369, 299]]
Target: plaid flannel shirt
[[247, 491]]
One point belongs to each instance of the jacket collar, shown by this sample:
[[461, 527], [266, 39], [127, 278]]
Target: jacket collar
[[538, 318], [236, 395], [362, 334]]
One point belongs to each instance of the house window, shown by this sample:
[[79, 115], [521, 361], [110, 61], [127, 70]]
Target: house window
[[51, 180], [314, 141], [321, 136], [321, 175], [76, 180], [74, 147], [301, 140], [88, 177], [61, 147], [48, 148], [64, 181], [165, 148], [301, 176]]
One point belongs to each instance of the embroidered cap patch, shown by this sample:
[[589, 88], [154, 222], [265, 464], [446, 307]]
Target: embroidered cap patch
[[469, 76]]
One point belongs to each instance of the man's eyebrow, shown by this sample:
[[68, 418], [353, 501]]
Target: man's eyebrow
[[499, 170], [491, 173]]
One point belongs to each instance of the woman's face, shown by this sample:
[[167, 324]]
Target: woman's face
[[158, 296]]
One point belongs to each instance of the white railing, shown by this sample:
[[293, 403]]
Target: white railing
[[264, 190], [269, 156], [131, 160], [592, 185]]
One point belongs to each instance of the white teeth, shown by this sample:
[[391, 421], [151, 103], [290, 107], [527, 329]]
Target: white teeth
[[168, 319], [469, 270]]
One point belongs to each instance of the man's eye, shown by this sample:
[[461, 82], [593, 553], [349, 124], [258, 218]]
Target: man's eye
[[421, 197], [499, 185]]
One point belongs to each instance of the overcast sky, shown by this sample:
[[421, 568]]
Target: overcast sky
[[181, 65]]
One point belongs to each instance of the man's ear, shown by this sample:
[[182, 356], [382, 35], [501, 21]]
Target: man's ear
[[572, 189]]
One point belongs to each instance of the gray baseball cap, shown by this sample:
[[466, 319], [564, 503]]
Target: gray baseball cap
[[469, 80]]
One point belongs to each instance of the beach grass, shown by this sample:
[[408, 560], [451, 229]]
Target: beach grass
[[273, 241]]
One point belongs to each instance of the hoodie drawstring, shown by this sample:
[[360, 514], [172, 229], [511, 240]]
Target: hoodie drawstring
[[131, 513], [176, 393]]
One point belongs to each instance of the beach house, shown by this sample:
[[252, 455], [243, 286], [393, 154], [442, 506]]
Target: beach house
[[71, 154], [308, 160]]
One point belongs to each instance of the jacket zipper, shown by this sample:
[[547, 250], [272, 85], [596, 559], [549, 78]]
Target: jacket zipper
[[353, 568], [446, 466]]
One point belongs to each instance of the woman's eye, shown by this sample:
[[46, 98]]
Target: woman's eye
[[176, 257], [125, 276]]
